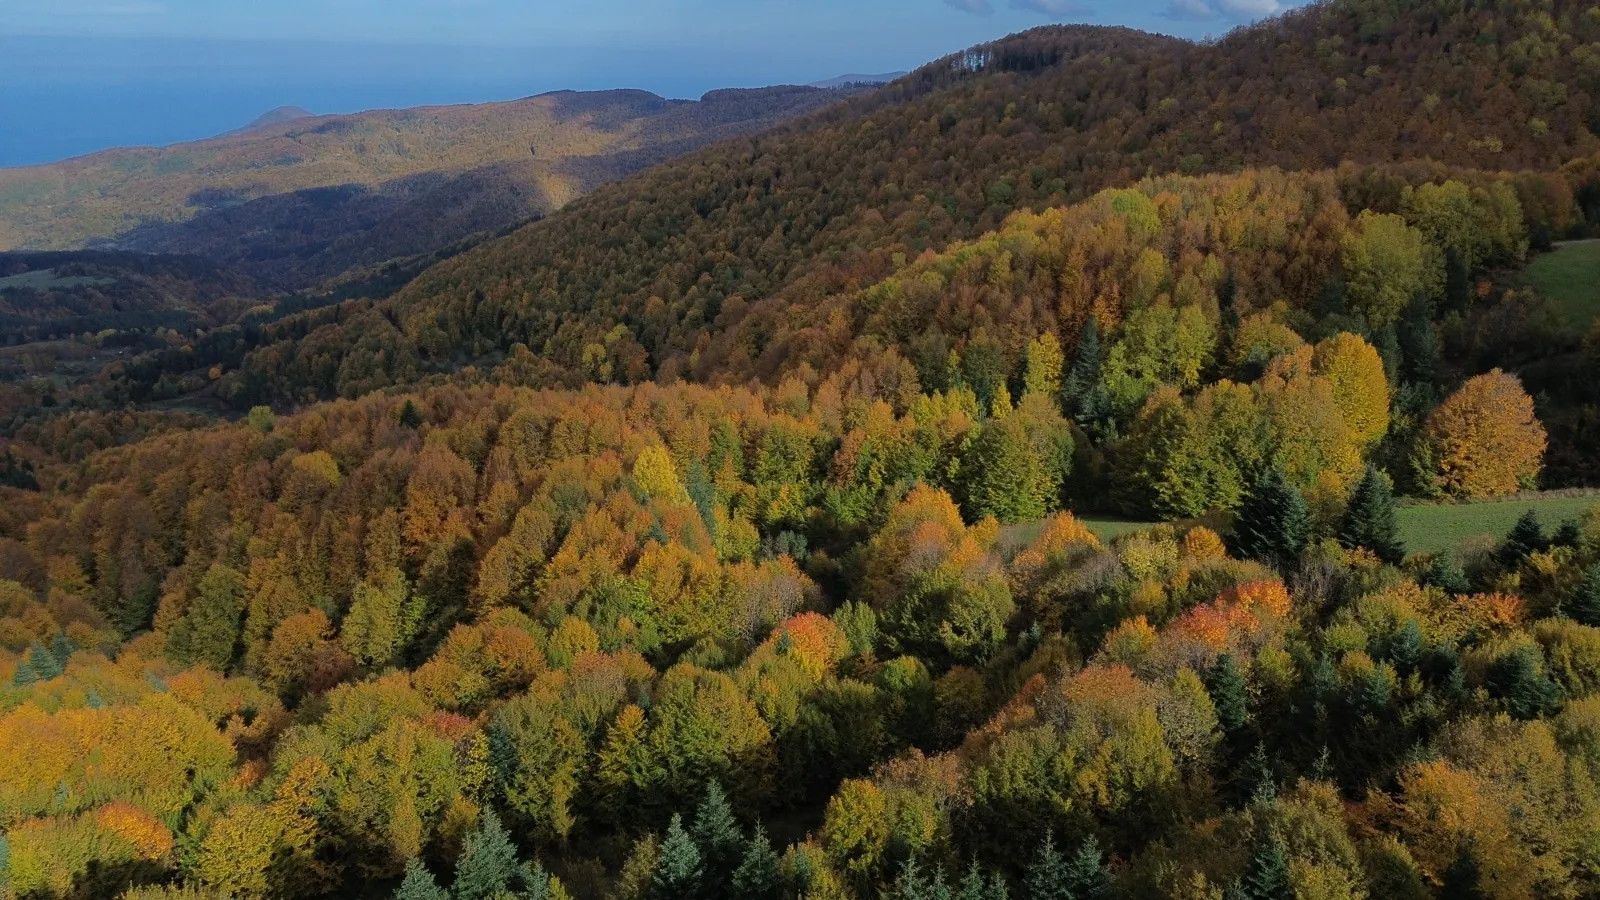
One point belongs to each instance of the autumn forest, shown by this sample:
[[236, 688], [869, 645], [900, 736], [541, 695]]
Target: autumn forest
[[985, 486]]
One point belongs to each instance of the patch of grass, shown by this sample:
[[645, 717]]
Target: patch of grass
[[45, 279], [1570, 276], [1108, 528], [1431, 529]]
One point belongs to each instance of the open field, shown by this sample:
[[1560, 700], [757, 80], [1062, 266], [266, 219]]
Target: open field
[[1434, 528], [1425, 528], [1570, 275]]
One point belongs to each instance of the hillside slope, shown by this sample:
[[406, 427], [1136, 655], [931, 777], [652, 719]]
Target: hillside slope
[[561, 145], [1040, 119]]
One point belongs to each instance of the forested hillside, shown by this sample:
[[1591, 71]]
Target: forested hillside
[[1045, 118], [473, 167], [727, 534]]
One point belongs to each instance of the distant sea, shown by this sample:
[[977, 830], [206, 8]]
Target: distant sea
[[64, 97]]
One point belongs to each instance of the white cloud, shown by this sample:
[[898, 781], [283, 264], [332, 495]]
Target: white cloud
[[1252, 8], [976, 7], [1055, 9], [1189, 10]]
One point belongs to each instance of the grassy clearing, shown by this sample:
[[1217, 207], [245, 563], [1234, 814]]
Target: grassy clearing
[[1430, 529], [1570, 276], [1107, 528], [45, 279]]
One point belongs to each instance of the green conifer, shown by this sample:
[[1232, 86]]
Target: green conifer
[[976, 887], [758, 876], [1046, 878], [1229, 694], [1516, 681], [1086, 874], [1584, 604], [419, 884], [679, 870], [1267, 878], [1369, 521], [488, 865], [914, 884], [410, 416], [1526, 538], [1447, 575], [721, 843], [1273, 524]]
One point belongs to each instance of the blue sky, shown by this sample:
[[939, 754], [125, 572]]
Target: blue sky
[[81, 75]]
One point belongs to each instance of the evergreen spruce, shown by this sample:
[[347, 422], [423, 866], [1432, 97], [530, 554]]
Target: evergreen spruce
[[913, 884], [1526, 538], [1228, 693], [1260, 775], [679, 869], [1086, 874], [1524, 691], [1267, 878], [1046, 878], [1273, 523], [62, 648], [758, 876], [1084, 374], [1446, 574], [1584, 604], [718, 837], [488, 864], [419, 884], [975, 887], [1369, 520], [410, 416], [1570, 534]]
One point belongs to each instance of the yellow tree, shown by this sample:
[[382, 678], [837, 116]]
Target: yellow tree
[[1360, 387], [1485, 439]]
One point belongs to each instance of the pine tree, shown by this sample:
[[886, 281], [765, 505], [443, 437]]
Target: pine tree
[[1570, 534], [717, 835], [1086, 875], [410, 416], [758, 876], [1447, 575], [1267, 878], [1369, 520], [1273, 523], [1515, 680], [1046, 878], [1526, 538], [1085, 371], [419, 884], [62, 648], [914, 885], [488, 864], [1584, 604], [679, 870], [1229, 694], [1260, 775], [975, 887]]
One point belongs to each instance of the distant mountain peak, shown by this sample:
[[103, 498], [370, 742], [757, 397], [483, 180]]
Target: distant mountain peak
[[276, 117], [844, 80]]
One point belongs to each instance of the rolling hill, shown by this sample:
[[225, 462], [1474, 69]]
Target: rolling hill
[[434, 173], [779, 221]]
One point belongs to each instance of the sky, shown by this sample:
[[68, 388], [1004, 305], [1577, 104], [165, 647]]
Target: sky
[[82, 75]]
